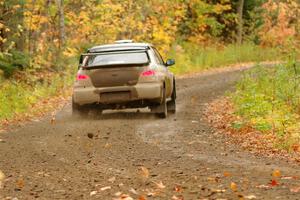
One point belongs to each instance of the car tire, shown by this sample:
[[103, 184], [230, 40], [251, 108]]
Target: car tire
[[78, 110], [162, 110], [171, 105]]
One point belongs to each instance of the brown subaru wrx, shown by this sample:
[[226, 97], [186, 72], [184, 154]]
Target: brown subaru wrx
[[124, 75]]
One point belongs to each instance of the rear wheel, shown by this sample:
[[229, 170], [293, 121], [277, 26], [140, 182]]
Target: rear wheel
[[78, 110], [171, 105], [162, 110]]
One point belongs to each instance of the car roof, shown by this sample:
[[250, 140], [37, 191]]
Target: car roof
[[119, 47]]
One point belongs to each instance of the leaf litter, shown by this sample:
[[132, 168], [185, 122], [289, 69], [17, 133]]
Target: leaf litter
[[220, 115]]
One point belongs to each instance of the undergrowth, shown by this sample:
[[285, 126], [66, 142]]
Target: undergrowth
[[268, 99], [18, 95], [192, 58]]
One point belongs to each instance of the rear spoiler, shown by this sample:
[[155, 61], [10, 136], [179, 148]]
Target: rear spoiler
[[112, 65], [115, 65], [113, 52], [120, 48]]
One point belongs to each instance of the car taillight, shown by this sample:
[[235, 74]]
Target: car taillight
[[81, 77], [148, 73]]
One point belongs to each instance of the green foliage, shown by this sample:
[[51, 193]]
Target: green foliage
[[18, 97], [9, 62], [268, 99], [205, 20], [253, 20], [191, 58], [237, 125]]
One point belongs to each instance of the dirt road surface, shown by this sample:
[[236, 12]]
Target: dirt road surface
[[134, 155]]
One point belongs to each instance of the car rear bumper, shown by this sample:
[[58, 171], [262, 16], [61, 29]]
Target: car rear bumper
[[120, 94]]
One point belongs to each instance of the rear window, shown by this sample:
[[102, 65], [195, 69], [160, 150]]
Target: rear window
[[121, 58]]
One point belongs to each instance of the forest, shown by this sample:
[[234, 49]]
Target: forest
[[41, 41], [41, 35]]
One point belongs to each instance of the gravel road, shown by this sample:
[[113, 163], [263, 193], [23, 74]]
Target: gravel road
[[134, 155]]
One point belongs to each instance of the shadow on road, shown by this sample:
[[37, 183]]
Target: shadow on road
[[133, 114]]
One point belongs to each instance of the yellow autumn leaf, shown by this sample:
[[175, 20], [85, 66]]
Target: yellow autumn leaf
[[233, 186], [276, 173]]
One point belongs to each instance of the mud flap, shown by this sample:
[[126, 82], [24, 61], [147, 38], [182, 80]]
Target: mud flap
[[171, 106]]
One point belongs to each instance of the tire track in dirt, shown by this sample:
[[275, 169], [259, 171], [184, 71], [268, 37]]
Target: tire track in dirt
[[59, 161]]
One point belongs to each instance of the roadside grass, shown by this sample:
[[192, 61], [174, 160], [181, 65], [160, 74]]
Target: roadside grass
[[190, 58], [19, 95], [268, 100]]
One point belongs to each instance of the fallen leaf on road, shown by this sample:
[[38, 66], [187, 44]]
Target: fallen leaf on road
[[133, 191], [178, 188], [142, 198], [276, 173], [43, 174], [263, 186], [233, 186], [213, 179], [250, 197], [105, 188], [122, 196], [151, 193], [112, 179], [218, 190], [144, 172], [295, 189], [20, 184], [287, 177], [93, 193], [118, 194], [160, 185], [107, 145], [125, 197], [2, 176], [226, 174], [177, 198], [273, 183]]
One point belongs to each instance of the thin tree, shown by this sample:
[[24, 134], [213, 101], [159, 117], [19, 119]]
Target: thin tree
[[62, 34], [240, 12]]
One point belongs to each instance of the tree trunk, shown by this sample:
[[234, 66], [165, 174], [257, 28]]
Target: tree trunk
[[20, 42], [2, 36], [240, 22], [62, 35]]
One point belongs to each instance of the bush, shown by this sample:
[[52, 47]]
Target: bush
[[268, 99], [9, 62], [18, 97]]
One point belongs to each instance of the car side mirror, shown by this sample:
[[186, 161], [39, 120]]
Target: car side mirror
[[170, 62], [80, 61]]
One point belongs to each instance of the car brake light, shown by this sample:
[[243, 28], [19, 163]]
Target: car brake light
[[148, 73], [81, 77]]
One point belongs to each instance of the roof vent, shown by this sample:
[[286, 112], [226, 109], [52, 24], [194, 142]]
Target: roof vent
[[123, 41]]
